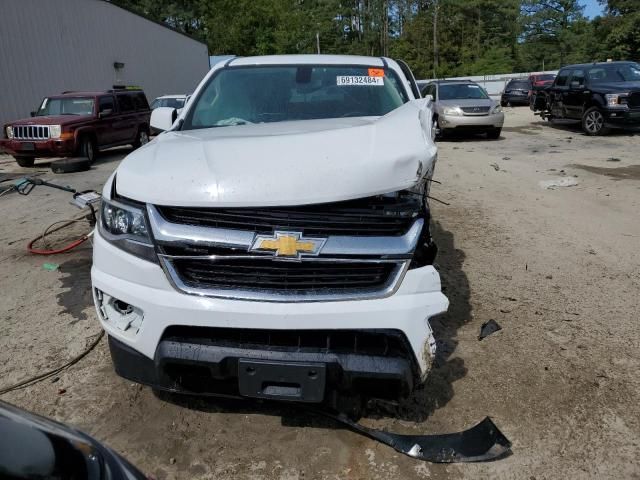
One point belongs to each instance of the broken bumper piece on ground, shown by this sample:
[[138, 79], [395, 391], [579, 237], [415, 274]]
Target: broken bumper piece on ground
[[481, 443]]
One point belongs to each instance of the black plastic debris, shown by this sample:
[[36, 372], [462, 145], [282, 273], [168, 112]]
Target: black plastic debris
[[488, 328], [481, 443]]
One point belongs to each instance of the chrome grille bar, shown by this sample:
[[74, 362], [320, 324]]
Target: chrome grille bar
[[232, 270], [31, 132]]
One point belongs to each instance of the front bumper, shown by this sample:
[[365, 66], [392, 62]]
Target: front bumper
[[39, 148], [471, 122], [143, 354], [521, 99], [618, 117]]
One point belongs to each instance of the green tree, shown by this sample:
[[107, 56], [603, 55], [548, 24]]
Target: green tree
[[549, 23]]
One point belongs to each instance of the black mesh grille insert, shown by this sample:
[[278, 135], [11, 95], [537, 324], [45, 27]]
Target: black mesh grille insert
[[388, 343], [634, 99], [373, 216], [283, 277]]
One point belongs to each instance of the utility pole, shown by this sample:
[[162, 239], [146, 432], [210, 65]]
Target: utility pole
[[436, 7], [318, 42]]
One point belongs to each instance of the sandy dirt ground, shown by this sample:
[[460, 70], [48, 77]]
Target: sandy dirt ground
[[558, 269]]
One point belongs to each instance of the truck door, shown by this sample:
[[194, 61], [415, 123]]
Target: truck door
[[574, 96], [126, 126], [107, 112], [557, 93]]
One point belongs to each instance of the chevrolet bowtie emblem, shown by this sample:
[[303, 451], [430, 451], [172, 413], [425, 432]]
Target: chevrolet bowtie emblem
[[288, 244]]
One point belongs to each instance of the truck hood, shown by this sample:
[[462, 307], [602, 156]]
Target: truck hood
[[283, 163], [616, 87], [52, 120]]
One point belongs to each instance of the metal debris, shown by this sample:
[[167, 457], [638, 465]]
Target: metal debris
[[558, 182], [481, 443], [488, 328]]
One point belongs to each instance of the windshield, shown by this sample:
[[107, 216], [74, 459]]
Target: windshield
[[168, 102], [461, 91], [243, 95], [66, 106], [628, 72], [519, 84]]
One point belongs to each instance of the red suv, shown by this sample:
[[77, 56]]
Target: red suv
[[79, 123]]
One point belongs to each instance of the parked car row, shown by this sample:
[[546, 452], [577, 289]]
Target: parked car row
[[601, 96]]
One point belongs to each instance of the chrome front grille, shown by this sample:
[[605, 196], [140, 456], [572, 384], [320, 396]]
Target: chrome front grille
[[221, 262], [475, 110], [31, 132]]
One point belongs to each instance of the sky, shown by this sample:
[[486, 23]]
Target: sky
[[592, 8]]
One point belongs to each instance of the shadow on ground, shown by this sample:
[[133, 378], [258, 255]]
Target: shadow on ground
[[107, 156], [75, 296], [438, 389], [575, 126], [434, 394]]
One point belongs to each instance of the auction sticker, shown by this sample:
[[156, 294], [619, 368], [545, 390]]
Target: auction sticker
[[357, 80]]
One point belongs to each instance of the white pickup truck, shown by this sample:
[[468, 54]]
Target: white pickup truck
[[274, 240]]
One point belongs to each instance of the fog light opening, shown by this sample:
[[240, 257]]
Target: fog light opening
[[122, 308], [122, 315]]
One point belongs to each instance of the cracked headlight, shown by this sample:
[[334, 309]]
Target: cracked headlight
[[55, 131], [125, 226], [9, 131], [453, 111]]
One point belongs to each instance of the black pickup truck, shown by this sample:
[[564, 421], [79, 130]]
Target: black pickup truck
[[600, 95]]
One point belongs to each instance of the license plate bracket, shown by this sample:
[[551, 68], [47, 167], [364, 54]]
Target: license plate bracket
[[282, 380], [27, 146]]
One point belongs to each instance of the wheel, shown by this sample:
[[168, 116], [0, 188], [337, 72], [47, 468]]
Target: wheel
[[593, 122], [436, 133], [494, 133], [142, 138], [24, 161], [87, 148], [503, 103]]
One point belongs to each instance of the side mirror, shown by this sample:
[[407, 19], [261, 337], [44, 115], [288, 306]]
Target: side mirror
[[162, 118], [105, 113], [577, 85], [33, 114]]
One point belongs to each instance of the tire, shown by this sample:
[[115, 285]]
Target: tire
[[503, 103], [436, 132], [24, 161], [70, 165], [494, 133], [593, 122], [87, 148], [142, 138]]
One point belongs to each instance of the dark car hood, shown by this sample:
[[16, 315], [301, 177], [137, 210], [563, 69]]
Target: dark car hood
[[52, 120], [616, 87]]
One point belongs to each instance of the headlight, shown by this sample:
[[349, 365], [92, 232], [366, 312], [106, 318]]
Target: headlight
[[55, 131], [615, 100], [125, 227], [9, 131], [497, 109], [453, 111]]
